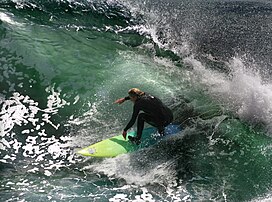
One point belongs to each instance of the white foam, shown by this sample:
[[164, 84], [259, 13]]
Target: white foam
[[119, 197], [124, 167], [47, 173], [145, 196], [243, 90], [7, 19], [138, 173], [267, 198], [76, 99], [20, 110], [54, 102], [91, 114]]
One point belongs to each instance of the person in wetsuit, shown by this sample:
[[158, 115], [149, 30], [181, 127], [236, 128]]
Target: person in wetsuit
[[148, 109]]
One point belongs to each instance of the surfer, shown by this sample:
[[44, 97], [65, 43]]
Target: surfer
[[153, 112]]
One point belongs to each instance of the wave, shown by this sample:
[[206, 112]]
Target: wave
[[230, 58], [232, 84], [85, 14], [60, 80], [242, 90], [183, 27]]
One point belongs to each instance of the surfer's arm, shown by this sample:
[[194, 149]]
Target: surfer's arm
[[136, 111], [121, 100]]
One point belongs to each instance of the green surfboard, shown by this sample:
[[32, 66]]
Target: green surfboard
[[117, 145]]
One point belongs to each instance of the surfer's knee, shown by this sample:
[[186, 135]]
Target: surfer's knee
[[142, 116]]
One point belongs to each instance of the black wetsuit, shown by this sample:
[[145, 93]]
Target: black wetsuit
[[154, 112]]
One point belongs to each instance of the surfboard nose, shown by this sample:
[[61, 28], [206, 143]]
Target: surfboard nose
[[86, 151]]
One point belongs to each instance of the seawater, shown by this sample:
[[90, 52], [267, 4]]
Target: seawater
[[64, 63]]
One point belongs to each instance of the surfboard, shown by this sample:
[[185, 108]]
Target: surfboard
[[117, 145]]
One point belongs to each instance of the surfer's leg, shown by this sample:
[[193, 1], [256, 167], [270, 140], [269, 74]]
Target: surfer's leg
[[155, 122], [161, 130], [161, 127], [142, 117], [163, 123]]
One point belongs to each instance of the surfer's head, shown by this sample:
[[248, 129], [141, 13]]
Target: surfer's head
[[135, 93]]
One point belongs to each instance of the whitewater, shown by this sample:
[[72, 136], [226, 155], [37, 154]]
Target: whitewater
[[63, 63]]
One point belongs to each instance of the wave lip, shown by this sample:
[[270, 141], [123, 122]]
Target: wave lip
[[243, 90]]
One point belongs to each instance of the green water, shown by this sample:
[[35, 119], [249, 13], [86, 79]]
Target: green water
[[64, 64]]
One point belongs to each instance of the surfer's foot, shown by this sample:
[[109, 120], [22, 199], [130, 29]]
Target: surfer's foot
[[134, 140]]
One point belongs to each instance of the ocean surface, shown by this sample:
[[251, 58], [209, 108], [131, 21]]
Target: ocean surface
[[64, 62]]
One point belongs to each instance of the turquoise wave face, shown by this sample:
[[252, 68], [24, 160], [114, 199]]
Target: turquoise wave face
[[63, 64]]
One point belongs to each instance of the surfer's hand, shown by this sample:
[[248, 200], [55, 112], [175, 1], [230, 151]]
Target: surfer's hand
[[124, 134], [120, 101]]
